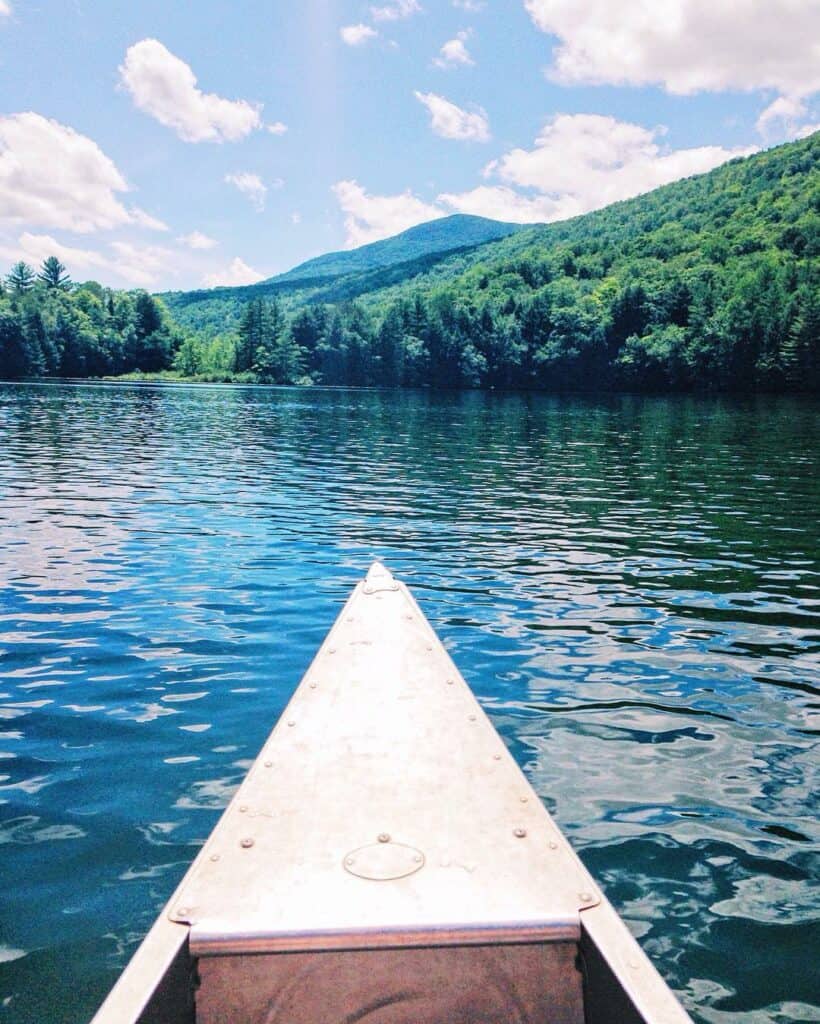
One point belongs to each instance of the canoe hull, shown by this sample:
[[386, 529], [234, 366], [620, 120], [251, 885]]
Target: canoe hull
[[385, 860]]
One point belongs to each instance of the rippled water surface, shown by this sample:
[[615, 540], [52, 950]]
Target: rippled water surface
[[631, 587]]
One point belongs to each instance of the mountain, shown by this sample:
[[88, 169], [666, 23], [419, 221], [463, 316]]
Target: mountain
[[338, 276], [710, 283], [460, 231]]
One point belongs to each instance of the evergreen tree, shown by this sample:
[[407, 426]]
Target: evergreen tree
[[53, 274], [20, 278], [16, 357], [800, 353], [251, 335], [390, 350]]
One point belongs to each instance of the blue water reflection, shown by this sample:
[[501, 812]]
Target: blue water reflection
[[631, 586]]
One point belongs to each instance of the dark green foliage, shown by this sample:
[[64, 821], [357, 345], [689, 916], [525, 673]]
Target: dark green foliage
[[20, 278], [53, 274], [709, 283], [51, 328]]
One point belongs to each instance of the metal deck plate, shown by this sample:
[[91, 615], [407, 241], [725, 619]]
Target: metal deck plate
[[382, 746]]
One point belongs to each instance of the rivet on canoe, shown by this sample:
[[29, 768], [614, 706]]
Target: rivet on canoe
[[472, 718], [214, 856], [384, 837], [450, 682], [291, 722], [409, 618], [242, 809], [552, 844], [417, 858], [313, 686], [519, 833], [585, 897], [496, 757], [331, 650], [246, 844], [350, 861], [524, 799], [429, 647], [634, 965], [182, 911], [268, 764]]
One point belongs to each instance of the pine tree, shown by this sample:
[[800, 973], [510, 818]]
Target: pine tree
[[251, 326], [390, 349], [53, 274], [20, 278], [800, 351]]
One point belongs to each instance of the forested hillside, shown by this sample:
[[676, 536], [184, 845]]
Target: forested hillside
[[339, 276], [708, 283]]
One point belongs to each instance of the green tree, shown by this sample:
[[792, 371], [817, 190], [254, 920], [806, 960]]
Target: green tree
[[251, 335], [17, 358], [20, 278], [53, 274], [154, 347], [188, 359]]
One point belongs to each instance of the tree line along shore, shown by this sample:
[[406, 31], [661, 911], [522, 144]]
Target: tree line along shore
[[708, 284]]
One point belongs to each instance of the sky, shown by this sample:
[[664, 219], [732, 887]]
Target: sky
[[168, 145]]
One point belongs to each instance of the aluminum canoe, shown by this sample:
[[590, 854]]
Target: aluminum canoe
[[385, 861]]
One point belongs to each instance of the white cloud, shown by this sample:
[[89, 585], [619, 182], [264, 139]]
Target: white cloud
[[369, 218], [145, 220], [579, 163], [53, 177], [685, 45], [454, 53], [451, 122], [236, 273], [140, 266], [277, 128], [165, 87], [472, 6], [785, 118], [395, 11], [35, 248], [5, 8], [296, 217], [590, 161], [502, 203], [196, 240], [250, 185], [357, 35], [807, 129]]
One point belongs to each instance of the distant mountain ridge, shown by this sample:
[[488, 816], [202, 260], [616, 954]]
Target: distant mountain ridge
[[415, 249], [345, 275], [432, 237]]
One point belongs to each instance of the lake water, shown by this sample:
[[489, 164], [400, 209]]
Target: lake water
[[631, 587]]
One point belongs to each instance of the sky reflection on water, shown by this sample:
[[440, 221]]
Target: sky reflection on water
[[631, 587]]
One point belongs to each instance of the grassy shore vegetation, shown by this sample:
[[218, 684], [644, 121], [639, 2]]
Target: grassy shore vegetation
[[711, 283]]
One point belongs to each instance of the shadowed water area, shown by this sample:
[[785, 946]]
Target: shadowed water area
[[630, 586]]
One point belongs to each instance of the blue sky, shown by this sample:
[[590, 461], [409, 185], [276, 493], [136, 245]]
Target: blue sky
[[178, 145]]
